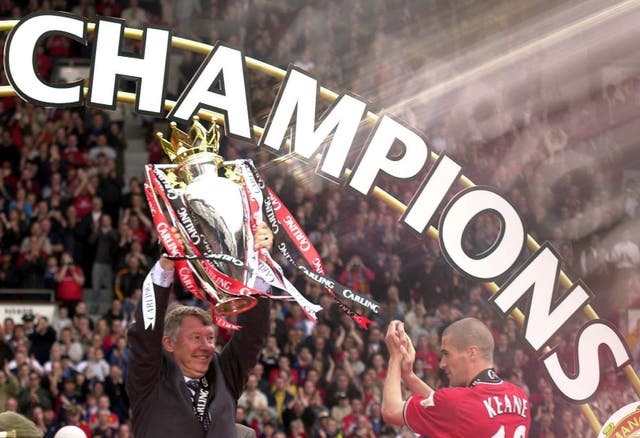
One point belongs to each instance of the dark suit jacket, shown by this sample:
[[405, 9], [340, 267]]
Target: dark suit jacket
[[160, 400]]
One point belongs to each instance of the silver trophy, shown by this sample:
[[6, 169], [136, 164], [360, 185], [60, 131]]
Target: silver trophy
[[208, 210]]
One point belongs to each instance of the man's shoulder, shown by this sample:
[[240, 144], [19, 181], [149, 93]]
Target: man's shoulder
[[454, 393], [479, 389], [444, 399], [503, 387], [166, 370]]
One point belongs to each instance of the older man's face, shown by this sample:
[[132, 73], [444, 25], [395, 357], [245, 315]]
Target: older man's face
[[193, 347]]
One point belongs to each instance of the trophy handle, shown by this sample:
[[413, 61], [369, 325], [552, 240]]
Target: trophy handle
[[236, 305]]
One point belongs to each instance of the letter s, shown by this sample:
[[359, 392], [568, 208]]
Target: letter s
[[594, 334]]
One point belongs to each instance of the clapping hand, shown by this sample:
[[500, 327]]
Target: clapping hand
[[408, 355], [395, 339], [400, 346]]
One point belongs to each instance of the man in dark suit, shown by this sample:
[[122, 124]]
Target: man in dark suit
[[177, 384]]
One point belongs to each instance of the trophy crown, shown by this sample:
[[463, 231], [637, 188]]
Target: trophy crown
[[196, 142]]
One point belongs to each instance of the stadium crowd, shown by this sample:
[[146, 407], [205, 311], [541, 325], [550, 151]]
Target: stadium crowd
[[69, 222]]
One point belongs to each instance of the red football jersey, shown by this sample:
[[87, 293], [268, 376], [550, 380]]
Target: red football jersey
[[488, 408]]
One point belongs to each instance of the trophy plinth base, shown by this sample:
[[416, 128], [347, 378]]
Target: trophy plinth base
[[236, 305]]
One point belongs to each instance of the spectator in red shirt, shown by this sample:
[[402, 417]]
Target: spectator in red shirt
[[73, 415], [71, 153], [104, 425], [139, 230], [284, 364], [110, 419], [350, 421], [357, 276], [70, 279], [84, 198], [426, 349]]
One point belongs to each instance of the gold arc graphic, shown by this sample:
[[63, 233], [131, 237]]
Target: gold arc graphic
[[278, 73]]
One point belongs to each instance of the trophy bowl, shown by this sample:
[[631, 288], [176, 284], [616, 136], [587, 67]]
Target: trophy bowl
[[207, 213]]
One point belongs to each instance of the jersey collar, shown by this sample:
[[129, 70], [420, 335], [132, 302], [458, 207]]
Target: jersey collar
[[486, 376]]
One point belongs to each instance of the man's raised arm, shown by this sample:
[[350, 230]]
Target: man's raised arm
[[145, 334]]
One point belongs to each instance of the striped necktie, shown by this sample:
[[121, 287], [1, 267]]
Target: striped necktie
[[195, 385]]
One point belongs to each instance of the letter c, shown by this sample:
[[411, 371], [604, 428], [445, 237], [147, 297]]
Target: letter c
[[19, 62]]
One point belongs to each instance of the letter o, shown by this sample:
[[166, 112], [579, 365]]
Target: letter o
[[502, 254]]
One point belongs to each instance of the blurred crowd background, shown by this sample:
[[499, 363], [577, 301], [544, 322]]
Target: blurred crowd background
[[521, 94]]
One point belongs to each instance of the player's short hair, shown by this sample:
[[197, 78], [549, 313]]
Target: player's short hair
[[470, 332], [175, 315]]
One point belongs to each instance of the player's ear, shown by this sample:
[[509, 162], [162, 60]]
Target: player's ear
[[167, 343]]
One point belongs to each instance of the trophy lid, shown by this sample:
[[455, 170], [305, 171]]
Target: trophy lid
[[198, 143]]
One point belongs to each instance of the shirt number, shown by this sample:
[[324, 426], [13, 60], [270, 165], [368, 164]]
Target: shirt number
[[520, 432]]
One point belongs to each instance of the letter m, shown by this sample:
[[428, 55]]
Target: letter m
[[298, 96], [540, 275]]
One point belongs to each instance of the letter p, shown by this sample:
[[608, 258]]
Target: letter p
[[375, 157]]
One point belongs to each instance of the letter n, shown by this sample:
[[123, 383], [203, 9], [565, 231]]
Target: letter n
[[540, 275]]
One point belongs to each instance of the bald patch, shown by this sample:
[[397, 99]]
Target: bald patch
[[471, 332]]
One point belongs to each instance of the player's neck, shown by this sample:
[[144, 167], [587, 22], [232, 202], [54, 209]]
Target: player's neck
[[483, 374]]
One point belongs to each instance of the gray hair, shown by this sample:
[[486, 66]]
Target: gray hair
[[471, 332], [175, 315]]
